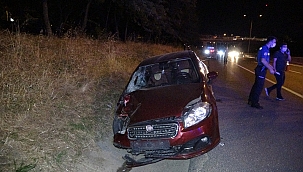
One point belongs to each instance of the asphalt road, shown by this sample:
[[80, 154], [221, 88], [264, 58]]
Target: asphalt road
[[253, 140]]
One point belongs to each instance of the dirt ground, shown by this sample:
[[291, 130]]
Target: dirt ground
[[104, 157]]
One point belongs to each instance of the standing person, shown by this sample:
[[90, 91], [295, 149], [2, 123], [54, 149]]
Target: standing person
[[260, 72], [226, 55], [280, 60]]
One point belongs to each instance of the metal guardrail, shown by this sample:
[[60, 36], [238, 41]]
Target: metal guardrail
[[232, 39], [294, 60], [297, 60]]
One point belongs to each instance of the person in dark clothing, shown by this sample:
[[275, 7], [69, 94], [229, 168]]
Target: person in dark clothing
[[280, 60], [260, 72]]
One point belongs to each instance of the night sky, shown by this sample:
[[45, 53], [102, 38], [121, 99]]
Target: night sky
[[280, 18]]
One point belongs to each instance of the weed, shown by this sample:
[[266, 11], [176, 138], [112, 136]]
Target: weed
[[59, 95], [24, 168], [60, 156]]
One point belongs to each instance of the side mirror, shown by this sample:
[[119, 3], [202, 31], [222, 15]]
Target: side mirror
[[212, 75]]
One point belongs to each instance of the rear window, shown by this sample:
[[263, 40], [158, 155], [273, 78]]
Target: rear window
[[180, 71]]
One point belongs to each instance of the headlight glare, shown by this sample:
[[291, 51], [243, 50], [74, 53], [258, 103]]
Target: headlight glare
[[221, 52], [234, 53]]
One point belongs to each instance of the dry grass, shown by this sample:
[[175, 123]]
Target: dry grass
[[57, 96]]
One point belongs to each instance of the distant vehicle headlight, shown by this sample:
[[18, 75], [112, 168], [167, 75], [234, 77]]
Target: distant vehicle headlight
[[233, 53], [221, 52], [195, 112], [206, 51]]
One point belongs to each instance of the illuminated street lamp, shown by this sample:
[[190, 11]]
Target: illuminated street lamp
[[250, 29]]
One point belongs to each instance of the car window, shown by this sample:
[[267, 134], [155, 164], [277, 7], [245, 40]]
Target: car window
[[179, 71]]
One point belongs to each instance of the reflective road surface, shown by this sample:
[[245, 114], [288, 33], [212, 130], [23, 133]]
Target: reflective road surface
[[252, 140]]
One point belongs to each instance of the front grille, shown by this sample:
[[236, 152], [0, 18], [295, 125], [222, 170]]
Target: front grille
[[155, 131]]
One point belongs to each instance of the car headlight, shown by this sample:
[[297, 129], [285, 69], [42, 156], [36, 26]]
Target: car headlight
[[206, 51], [195, 111], [234, 53], [221, 52]]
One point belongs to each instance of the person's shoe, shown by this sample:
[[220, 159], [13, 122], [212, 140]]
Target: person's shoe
[[257, 105], [280, 98], [266, 91]]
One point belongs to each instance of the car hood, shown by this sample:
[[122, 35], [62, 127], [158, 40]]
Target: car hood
[[161, 102]]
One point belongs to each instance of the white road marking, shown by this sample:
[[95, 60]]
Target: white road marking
[[296, 65], [285, 88], [295, 72]]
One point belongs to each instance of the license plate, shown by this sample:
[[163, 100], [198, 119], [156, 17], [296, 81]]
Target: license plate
[[149, 144]]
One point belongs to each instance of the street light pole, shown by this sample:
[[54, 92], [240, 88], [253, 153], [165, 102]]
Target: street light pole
[[250, 30], [251, 25]]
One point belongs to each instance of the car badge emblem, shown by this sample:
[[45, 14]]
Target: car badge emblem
[[149, 128]]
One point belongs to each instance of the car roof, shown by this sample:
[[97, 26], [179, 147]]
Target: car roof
[[170, 56]]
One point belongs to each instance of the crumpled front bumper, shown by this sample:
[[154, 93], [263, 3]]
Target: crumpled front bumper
[[157, 150]]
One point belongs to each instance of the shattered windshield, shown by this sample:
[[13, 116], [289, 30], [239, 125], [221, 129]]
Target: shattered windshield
[[180, 71]]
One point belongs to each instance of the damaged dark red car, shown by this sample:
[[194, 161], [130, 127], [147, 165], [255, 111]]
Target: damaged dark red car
[[167, 110]]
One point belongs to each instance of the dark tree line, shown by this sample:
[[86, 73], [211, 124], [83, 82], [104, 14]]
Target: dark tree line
[[158, 21]]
